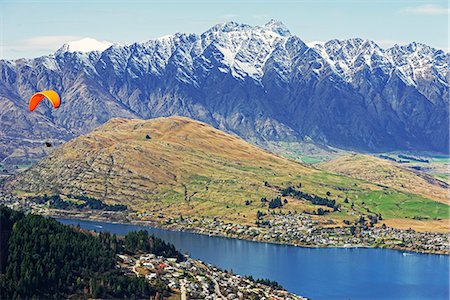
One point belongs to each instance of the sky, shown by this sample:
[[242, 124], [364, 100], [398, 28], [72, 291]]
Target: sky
[[34, 28]]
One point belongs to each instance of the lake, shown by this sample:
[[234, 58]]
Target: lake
[[327, 273]]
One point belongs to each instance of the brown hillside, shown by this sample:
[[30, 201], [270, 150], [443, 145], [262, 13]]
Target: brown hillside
[[391, 174], [117, 162], [177, 166]]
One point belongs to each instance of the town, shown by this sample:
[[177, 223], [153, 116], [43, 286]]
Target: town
[[303, 230], [292, 229], [194, 279]]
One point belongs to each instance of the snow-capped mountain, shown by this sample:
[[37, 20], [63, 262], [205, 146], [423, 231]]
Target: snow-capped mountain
[[84, 45], [260, 82]]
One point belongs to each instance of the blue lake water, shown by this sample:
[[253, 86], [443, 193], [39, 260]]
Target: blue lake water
[[331, 273]]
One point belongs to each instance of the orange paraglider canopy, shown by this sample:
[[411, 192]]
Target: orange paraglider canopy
[[49, 94]]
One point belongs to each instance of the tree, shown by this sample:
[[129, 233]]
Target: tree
[[275, 203], [259, 215], [314, 199], [362, 220], [66, 261]]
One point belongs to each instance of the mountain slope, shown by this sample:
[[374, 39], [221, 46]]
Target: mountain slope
[[388, 173], [117, 161], [260, 82], [178, 166]]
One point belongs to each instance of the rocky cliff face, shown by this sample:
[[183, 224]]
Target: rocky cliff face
[[260, 82]]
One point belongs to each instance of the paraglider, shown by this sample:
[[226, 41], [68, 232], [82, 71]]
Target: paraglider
[[37, 98], [49, 94]]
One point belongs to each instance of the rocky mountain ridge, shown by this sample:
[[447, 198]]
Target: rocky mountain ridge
[[259, 82]]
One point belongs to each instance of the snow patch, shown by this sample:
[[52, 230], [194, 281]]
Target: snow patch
[[85, 45]]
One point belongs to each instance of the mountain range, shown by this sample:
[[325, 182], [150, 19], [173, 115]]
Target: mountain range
[[261, 83]]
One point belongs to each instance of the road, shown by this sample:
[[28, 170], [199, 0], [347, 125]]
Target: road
[[134, 267], [217, 288], [183, 289], [216, 284]]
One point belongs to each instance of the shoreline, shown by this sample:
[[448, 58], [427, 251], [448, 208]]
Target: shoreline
[[179, 228]]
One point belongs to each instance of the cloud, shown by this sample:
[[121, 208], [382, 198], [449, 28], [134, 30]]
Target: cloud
[[48, 43], [429, 9]]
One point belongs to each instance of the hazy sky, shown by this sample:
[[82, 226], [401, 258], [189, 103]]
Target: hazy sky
[[34, 28]]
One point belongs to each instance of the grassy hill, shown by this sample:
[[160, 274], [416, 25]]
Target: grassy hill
[[180, 166], [389, 173]]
